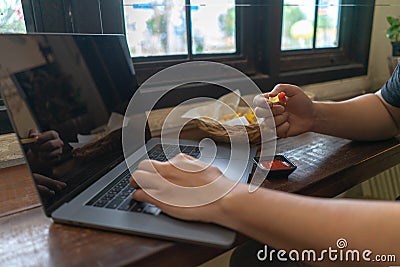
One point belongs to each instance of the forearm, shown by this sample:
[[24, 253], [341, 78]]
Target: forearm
[[363, 118], [285, 221]]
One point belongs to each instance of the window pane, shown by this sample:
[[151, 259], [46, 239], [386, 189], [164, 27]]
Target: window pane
[[155, 27], [213, 26], [298, 24], [328, 24], [11, 16]]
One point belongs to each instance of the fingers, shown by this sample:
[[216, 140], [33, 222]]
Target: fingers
[[265, 109], [176, 167], [280, 113], [143, 178], [53, 156], [283, 129], [145, 169], [48, 136], [33, 133], [281, 119], [277, 113], [51, 150], [281, 124], [182, 171], [49, 183], [289, 89], [150, 165], [265, 113], [45, 191], [261, 101], [48, 145], [52, 145], [148, 172], [181, 162], [141, 196], [186, 165]]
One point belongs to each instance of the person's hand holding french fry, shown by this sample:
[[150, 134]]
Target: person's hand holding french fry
[[46, 146]]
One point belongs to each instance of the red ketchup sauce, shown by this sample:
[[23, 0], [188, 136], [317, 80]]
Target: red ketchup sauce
[[274, 164]]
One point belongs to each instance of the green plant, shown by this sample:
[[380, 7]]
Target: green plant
[[393, 32], [227, 22]]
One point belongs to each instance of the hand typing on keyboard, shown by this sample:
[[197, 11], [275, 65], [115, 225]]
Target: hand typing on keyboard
[[161, 182]]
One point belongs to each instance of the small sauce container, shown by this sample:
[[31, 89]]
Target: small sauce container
[[279, 167]]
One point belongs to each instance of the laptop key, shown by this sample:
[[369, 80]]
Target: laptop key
[[195, 152], [115, 203], [128, 204], [127, 191], [100, 203], [139, 207], [186, 149]]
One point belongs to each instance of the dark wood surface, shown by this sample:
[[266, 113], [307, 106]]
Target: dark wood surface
[[17, 192], [327, 166]]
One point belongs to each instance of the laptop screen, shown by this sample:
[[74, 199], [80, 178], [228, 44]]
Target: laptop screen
[[66, 96]]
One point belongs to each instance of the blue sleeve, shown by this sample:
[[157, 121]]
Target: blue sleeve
[[391, 89]]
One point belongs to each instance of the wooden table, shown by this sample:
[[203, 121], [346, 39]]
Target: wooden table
[[327, 166]]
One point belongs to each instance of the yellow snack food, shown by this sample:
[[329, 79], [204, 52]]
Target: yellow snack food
[[250, 117], [279, 98], [29, 140]]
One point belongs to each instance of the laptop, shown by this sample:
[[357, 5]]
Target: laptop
[[75, 88]]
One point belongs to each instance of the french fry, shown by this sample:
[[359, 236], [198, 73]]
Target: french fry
[[250, 117], [29, 140], [279, 98]]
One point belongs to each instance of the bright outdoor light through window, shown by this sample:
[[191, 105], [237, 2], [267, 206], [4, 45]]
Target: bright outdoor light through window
[[328, 24], [213, 26], [11, 17], [159, 27], [302, 17], [156, 27]]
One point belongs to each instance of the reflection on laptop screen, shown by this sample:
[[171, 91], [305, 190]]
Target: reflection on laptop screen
[[73, 90]]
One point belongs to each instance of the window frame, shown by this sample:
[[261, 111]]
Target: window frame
[[268, 64], [243, 59], [323, 57], [259, 47]]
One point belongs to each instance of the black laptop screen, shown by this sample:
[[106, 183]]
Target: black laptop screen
[[66, 96]]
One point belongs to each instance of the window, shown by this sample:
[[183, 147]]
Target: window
[[330, 44], [310, 24], [161, 33], [11, 16], [279, 41], [175, 27]]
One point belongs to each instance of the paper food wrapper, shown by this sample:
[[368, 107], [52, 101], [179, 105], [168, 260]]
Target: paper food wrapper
[[218, 110], [115, 122]]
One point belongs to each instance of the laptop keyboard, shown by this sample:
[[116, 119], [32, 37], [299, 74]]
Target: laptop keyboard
[[117, 195], [163, 152]]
